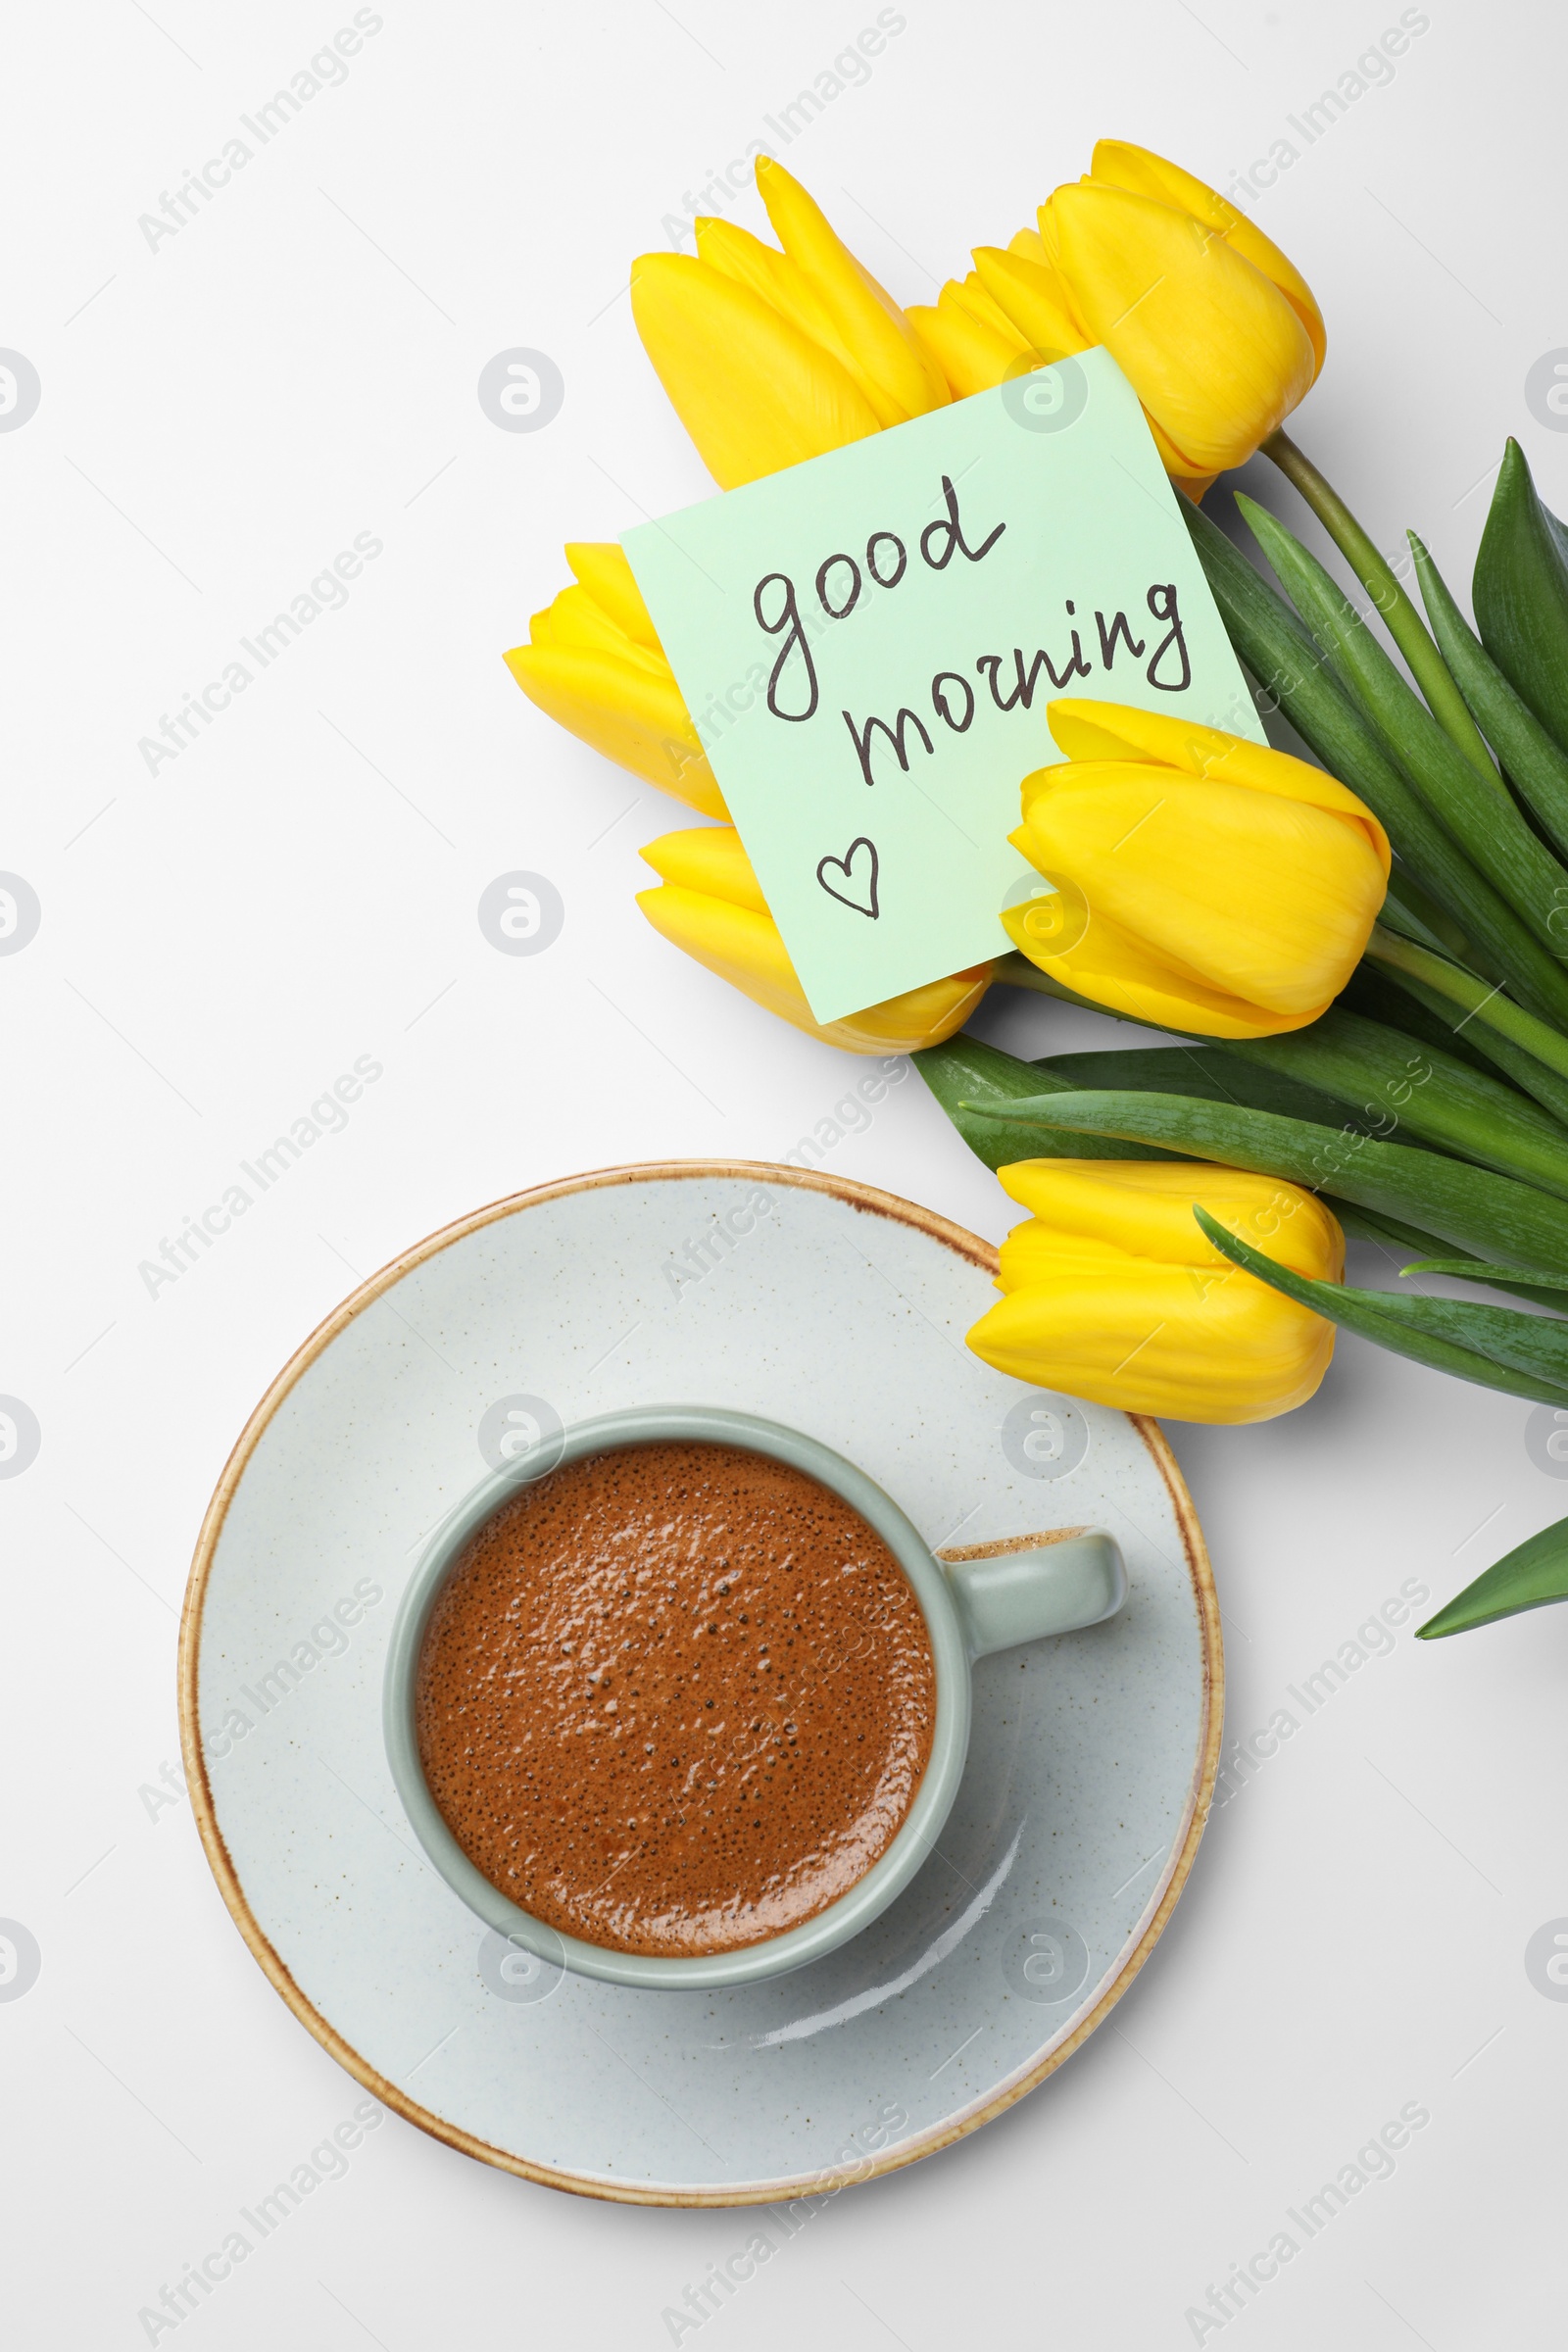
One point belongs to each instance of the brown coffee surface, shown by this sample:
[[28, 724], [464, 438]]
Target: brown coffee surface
[[675, 1698]]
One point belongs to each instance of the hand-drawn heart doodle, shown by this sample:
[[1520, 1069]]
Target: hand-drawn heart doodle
[[844, 868]]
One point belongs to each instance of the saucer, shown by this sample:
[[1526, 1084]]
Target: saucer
[[801, 1299]]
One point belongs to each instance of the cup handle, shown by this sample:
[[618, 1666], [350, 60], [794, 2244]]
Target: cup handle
[[1054, 1584]]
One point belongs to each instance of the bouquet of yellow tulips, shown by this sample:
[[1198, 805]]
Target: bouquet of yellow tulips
[[1340, 950], [775, 354]]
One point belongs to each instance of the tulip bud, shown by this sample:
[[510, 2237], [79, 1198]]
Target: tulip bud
[[775, 357], [900, 381], [1143, 173], [752, 391], [1213, 326], [711, 905], [1111, 1291], [1201, 882], [594, 663]]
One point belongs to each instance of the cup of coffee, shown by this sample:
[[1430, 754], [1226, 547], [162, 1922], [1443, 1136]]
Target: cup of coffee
[[683, 1700]]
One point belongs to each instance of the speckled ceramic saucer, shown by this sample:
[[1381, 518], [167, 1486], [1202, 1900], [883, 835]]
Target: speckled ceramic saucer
[[838, 1310]]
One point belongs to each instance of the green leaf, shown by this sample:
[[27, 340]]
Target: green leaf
[[1513, 1223], [1394, 1237], [1467, 1268], [1393, 608], [1480, 1045], [1447, 1335], [1387, 1077], [1201, 1069], [1390, 1237], [1480, 814], [968, 1077], [1535, 1346], [1390, 1234], [1520, 595], [1486, 1006], [1381, 996], [1537, 768], [1273, 643], [1410, 908], [1527, 1578], [1394, 1081]]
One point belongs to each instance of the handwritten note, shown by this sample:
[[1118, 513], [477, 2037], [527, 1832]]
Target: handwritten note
[[867, 643]]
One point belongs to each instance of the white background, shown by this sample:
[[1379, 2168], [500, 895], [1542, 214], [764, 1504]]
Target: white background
[[220, 417]]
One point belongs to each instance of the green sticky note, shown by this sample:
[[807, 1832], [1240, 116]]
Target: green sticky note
[[867, 643]]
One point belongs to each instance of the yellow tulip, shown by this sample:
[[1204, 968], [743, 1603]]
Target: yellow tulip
[[709, 904], [773, 355], [1111, 1291], [1213, 326], [1140, 173], [594, 663], [1201, 882]]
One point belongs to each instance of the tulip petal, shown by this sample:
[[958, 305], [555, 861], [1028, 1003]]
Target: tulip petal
[[973, 295], [1111, 969], [865, 315], [1114, 732], [1034, 1250], [738, 943], [602, 568], [1049, 234], [752, 391], [745, 949], [1033, 299], [733, 251], [634, 717], [1145, 174], [973, 354], [577, 618], [736, 254], [1266, 897], [1183, 470], [708, 859], [1143, 1209], [1156, 1339], [1183, 473], [1212, 348]]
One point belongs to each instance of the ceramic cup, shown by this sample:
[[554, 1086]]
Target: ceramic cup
[[970, 1606]]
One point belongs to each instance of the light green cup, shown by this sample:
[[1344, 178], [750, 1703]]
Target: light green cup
[[970, 1607]]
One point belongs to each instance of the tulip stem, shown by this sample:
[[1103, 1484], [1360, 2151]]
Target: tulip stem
[[1482, 1003], [1400, 615]]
